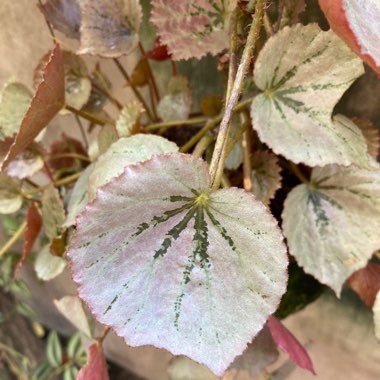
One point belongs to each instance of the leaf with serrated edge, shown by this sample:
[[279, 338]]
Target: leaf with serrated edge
[[48, 266], [48, 99], [160, 260], [78, 197], [376, 312], [357, 22], [371, 134], [10, 194], [64, 15], [14, 102], [96, 368], [128, 119], [332, 226], [53, 213], [71, 308], [303, 72], [192, 29], [109, 28], [126, 151], [266, 175]]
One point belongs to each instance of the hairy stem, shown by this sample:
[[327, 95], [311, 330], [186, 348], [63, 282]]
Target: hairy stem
[[218, 158]]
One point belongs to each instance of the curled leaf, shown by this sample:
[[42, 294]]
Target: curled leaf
[[96, 368], [124, 152], [192, 29], [109, 28], [303, 72], [47, 101], [128, 122], [357, 23], [332, 224], [151, 253], [266, 175], [10, 194], [289, 343], [14, 102], [64, 15]]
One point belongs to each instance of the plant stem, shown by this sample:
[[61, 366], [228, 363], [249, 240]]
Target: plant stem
[[134, 88], [247, 145], [13, 239], [268, 25], [150, 72], [202, 145], [296, 170], [218, 158], [176, 123], [69, 155], [82, 131], [87, 116], [232, 67], [108, 95]]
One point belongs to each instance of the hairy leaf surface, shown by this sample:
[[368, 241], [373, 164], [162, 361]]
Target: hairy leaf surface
[[109, 28], [192, 29], [124, 152], [14, 102], [303, 72], [357, 22], [167, 263], [332, 226]]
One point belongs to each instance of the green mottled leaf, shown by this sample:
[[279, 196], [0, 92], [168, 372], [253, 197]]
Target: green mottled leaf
[[160, 259], [332, 225], [128, 122], [53, 213], [10, 194], [74, 346], [266, 175], [303, 72], [70, 373], [48, 266], [54, 350], [71, 307], [124, 152], [14, 102]]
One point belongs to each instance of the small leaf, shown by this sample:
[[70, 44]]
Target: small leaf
[[128, 122], [192, 29], [32, 230], [366, 283], [176, 105], [303, 72], [183, 368], [376, 312], [357, 23], [74, 347], [70, 373], [109, 28], [159, 52], [266, 175], [258, 355], [332, 225], [124, 152], [54, 350], [10, 194], [158, 228], [140, 73], [371, 134], [26, 310], [53, 213], [64, 15], [288, 343], [96, 368], [78, 197], [14, 102], [71, 307], [48, 99], [48, 266]]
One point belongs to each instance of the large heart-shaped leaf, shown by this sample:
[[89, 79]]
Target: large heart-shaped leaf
[[332, 225], [167, 263], [303, 72], [357, 22], [109, 28]]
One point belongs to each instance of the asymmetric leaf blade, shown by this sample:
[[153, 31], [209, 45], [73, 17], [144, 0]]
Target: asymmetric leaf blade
[[167, 263]]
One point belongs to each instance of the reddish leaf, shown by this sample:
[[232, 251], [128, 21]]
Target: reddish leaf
[[289, 343], [64, 15], [159, 52], [357, 23], [366, 283], [95, 369], [47, 101], [33, 228]]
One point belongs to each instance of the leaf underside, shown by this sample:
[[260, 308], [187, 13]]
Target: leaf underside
[[162, 260]]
